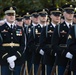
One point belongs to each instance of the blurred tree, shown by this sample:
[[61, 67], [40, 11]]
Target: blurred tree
[[24, 6]]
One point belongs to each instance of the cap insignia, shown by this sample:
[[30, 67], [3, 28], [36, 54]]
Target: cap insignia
[[57, 9], [71, 6], [69, 37], [11, 8]]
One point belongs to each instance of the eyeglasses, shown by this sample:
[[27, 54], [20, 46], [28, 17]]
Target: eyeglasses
[[10, 14]]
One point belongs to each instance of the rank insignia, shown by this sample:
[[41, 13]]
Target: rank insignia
[[50, 31], [69, 37], [62, 31], [4, 30]]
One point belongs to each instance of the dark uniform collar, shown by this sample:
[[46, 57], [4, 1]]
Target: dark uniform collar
[[8, 28], [9, 24]]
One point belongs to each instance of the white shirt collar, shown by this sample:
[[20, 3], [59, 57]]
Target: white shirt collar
[[42, 25], [34, 24], [53, 24], [68, 23], [9, 24]]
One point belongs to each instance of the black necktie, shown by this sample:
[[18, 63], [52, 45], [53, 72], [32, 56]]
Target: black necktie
[[69, 25], [11, 26]]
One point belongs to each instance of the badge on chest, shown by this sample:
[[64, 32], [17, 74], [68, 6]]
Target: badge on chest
[[19, 32]]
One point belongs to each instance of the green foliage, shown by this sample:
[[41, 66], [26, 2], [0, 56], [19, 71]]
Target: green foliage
[[24, 6]]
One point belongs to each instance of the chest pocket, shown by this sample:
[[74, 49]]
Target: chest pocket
[[5, 33], [50, 32], [63, 33]]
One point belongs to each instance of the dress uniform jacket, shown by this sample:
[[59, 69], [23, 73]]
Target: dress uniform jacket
[[45, 44], [28, 52], [12, 43], [59, 43], [34, 43], [27, 30], [71, 42]]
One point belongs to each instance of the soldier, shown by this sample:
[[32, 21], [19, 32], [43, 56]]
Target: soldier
[[34, 39], [27, 19], [34, 18], [71, 43], [60, 37], [19, 21], [27, 30], [12, 45], [45, 39]]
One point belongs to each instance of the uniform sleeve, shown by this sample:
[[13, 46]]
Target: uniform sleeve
[[4, 54]]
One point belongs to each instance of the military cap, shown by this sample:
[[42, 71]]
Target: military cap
[[56, 11], [27, 16], [34, 13], [19, 18], [42, 12], [9, 9], [69, 8]]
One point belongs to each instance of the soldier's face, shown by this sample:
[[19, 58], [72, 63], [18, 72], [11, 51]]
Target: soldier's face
[[43, 19], [10, 18], [27, 22], [68, 16], [35, 20], [20, 23], [55, 19]]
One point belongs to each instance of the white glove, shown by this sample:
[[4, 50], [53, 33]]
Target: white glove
[[41, 52], [69, 55], [12, 65], [11, 59]]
